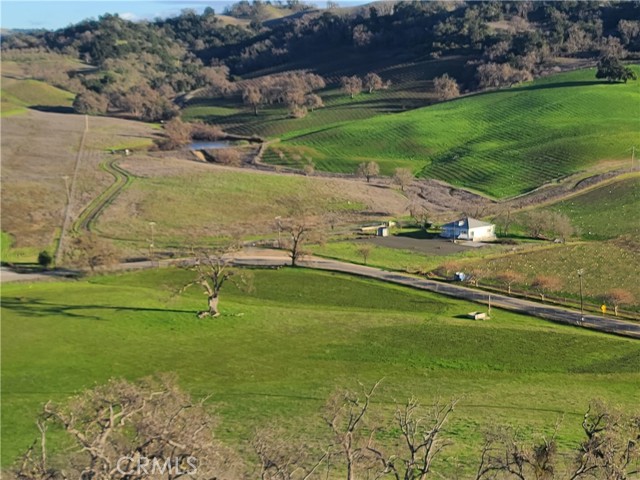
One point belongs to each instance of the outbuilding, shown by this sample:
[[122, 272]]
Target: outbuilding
[[469, 229]]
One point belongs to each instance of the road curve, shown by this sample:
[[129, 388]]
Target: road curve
[[121, 179], [527, 307], [277, 258]]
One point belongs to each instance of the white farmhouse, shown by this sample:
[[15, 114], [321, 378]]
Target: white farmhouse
[[469, 229]]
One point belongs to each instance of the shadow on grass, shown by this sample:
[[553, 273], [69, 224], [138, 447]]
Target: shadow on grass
[[52, 109], [582, 83], [38, 308]]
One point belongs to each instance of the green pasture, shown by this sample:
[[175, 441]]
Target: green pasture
[[33, 93], [212, 204], [605, 212], [12, 254], [396, 258], [502, 143], [280, 350]]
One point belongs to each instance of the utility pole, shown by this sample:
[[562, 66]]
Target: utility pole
[[278, 219], [151, 245], [633, 156], [580, 273], [66, 186]]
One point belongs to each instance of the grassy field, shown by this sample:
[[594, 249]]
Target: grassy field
[[278, 352], [484, 141], [398, 259], [608, 265], [38, 150], [17, 95], [214, 201], [605, 212]]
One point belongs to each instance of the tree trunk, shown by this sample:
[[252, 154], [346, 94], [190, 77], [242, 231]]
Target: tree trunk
[[213, 308], [255, 110]]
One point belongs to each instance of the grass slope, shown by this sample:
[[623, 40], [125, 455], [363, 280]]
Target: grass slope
[[605, 212], [411, 87], [215, 202], [17, 94], [278, 352], [502, 143], [607, 265]]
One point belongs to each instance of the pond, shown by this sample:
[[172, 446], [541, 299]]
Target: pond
[[210, 145]]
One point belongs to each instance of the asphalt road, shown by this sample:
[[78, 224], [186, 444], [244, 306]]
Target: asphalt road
[[276, 258], [548, 312]]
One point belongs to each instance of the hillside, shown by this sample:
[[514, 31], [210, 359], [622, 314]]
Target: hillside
[[605, 212], [17, 95], [278, 352], [502, 143]]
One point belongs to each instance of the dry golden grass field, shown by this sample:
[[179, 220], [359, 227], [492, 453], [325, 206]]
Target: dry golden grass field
[[39, 149]]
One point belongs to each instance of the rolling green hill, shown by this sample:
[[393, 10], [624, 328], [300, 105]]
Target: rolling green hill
[[502, 143], [605, 212], [19, 94], [411, 87], [278, 352]]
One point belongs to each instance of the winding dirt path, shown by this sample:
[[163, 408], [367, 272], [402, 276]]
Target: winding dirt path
[[122, 179]]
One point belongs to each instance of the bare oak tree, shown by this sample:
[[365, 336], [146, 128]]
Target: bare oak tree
[[313, 101], [351, 85], [364, 250], [252, 95], [508, 278], [505, 454], [89, 250], [298, 225], [213, 268], [419, 213], [544, 284], [446, 87], [368, 170], [610, 450], [618, 297], [403, 177], [283, 458], [344, 414], [121, 431], [372, 81], [420, 435]]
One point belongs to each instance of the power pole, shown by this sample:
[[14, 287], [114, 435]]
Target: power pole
[[580, 273]]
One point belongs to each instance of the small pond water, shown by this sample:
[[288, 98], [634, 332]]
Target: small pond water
[[210, 145]]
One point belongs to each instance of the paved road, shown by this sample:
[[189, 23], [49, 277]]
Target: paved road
[[276, 258], [548, 312]]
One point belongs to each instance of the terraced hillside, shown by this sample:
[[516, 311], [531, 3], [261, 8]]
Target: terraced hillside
[[411, 87], [502, 143]]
